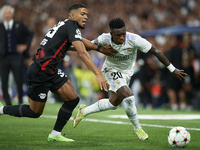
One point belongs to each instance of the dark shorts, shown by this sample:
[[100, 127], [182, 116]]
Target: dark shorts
[[39, 82]]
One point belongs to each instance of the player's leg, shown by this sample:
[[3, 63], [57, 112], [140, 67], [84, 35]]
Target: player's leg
[[129, 106], [101, 105], [37, 92], [68, 94], [131, 111], [34, 110]]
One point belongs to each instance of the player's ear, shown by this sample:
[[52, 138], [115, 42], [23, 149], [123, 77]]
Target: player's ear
[[71, 16]]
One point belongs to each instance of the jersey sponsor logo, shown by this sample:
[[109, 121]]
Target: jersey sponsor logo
[[78, 34], [125, 57], [42, 95]]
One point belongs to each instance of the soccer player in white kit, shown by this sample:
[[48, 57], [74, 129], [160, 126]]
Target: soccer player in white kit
[[118, 69]]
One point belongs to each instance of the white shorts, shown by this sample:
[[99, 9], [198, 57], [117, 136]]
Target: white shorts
[[115, 78]]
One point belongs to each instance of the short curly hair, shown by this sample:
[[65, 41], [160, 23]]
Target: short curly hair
[[116, 23]]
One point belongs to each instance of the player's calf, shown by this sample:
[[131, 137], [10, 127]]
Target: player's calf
[[20, 111]]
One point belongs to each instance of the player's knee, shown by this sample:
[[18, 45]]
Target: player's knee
[[124, 92], [113, 107], [70, 105], [32, 114], [75, 101], [35, 115]]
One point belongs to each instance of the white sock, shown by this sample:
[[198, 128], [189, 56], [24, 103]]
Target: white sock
[[101, 105], [131, 111], [55, 133], [1, 110]]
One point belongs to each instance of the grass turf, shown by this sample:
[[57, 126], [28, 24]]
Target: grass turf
[[31, 134]]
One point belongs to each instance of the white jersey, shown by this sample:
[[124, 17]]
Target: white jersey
[[124, 60]]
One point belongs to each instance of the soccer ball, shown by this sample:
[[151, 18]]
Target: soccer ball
[[178, 137]]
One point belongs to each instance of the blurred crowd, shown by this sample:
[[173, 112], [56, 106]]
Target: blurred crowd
[[152, 83]]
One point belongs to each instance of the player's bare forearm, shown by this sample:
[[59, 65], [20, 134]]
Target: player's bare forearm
[[89, 63], [180, 74], [86, 58], [106, 50], [89, 45], [161, 57], [83, 54]]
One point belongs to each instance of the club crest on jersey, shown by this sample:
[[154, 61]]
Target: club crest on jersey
[[42, 95], [61, 73], [117, 82], [78, 34], [129, 50]]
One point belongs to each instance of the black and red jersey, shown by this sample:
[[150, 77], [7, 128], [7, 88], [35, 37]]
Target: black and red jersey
[[55, 44]]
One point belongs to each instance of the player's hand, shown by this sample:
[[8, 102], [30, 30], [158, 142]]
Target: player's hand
[[180, 74], [108, 50], [102, 82]]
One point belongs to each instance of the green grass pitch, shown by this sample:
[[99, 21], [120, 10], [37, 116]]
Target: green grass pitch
[[31, 134]]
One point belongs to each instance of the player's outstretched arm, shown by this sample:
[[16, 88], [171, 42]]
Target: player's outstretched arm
[[106, 50], [84, 55], [180, 74]]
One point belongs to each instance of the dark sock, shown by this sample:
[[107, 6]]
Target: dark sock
[[20, 111], [65, 113]]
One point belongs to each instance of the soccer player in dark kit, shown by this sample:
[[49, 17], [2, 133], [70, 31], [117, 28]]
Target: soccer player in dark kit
[[43, 74]]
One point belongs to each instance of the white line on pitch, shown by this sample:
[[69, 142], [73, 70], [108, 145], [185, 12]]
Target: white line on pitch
[[121, 122]]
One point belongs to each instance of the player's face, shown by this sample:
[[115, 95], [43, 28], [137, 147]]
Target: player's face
[[81, 17], [118, 35]]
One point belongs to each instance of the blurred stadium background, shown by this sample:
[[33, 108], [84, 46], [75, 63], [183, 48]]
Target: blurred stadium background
[[165, 23]]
